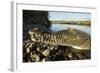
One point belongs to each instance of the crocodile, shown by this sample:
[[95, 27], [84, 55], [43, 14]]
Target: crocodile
[[70, 37]]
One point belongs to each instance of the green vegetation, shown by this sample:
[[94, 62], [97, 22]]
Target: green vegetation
[[81, 22]]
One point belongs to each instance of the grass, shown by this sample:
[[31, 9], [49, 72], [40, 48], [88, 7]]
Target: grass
[[88, 23]]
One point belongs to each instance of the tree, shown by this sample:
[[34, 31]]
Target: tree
[[32, 18]]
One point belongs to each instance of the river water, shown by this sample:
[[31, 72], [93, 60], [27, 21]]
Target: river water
[[58, 27]]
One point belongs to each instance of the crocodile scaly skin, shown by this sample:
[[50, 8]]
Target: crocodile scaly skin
[[71, 37]]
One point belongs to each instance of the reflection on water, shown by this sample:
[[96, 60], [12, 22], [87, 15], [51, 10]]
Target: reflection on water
[[58, 27]]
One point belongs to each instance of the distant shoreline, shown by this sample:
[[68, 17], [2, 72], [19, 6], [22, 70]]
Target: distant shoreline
[[71, 22]]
